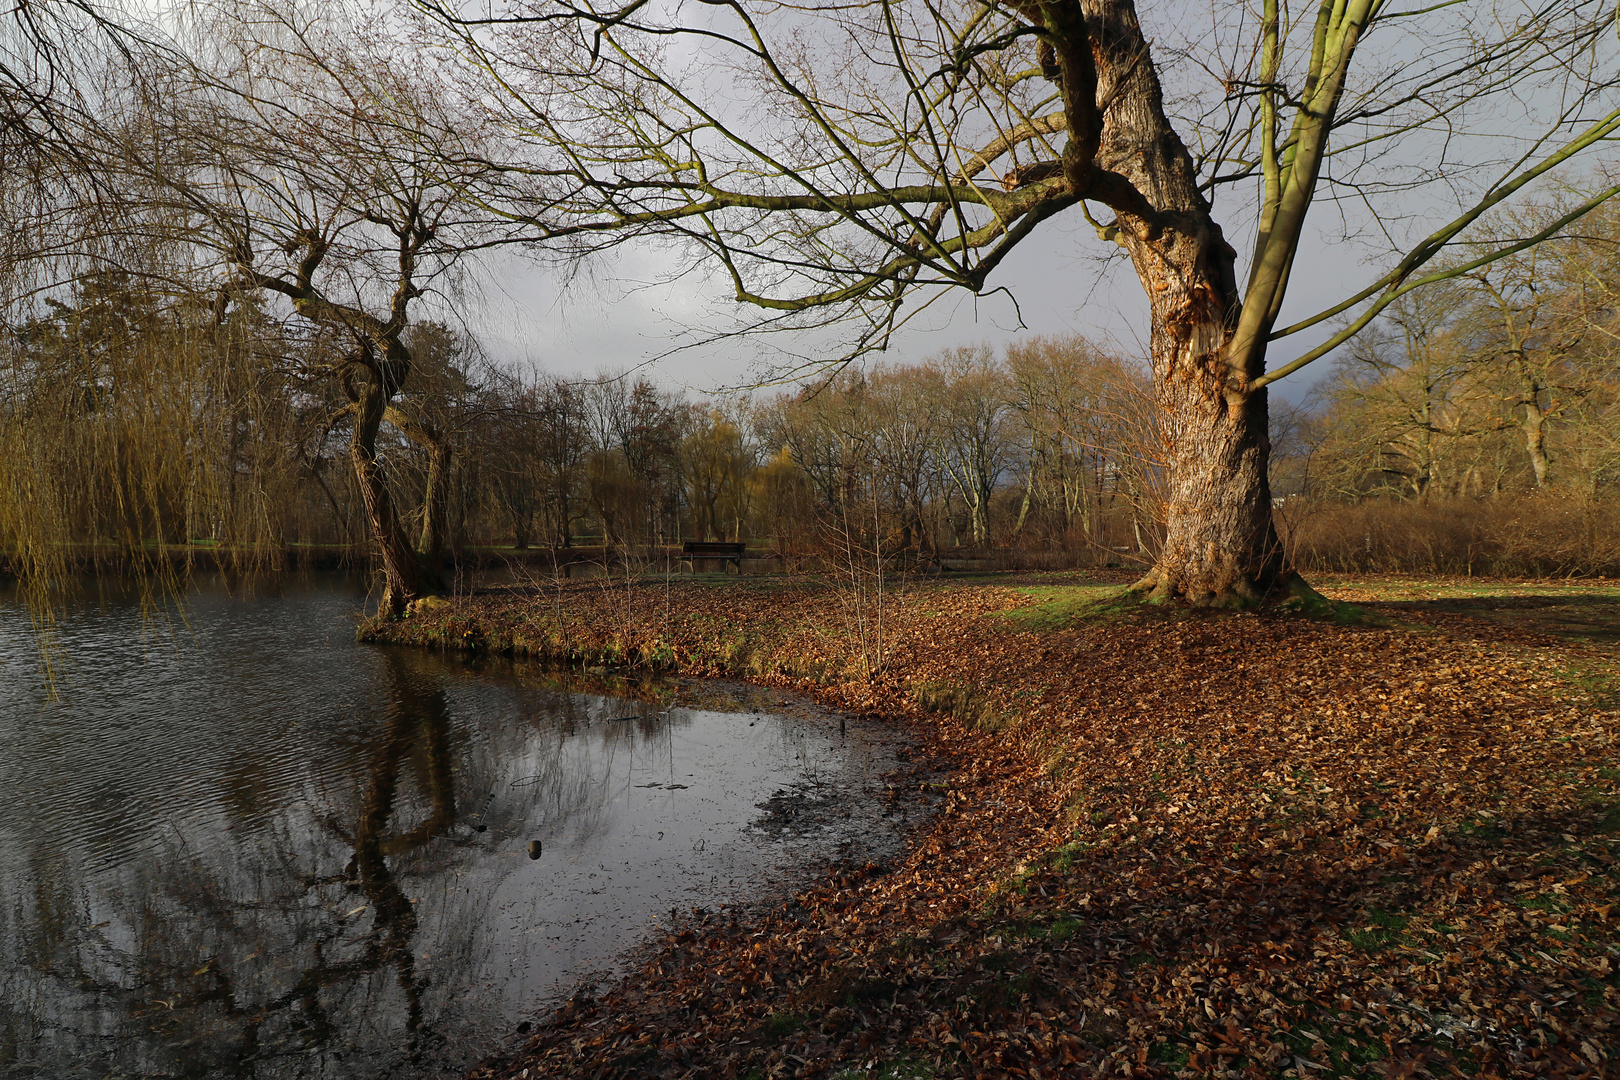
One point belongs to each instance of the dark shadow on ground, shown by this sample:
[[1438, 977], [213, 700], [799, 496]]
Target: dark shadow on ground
[[1586, 618]]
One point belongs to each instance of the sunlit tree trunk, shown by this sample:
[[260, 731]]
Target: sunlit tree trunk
[[1534, 426], [1221, 546]]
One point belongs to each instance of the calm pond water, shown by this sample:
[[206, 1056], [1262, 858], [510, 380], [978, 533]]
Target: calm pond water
[[244, 846]]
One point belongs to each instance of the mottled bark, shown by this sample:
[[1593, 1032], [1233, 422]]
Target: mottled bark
[[1534, 426], [1535, 444], [1221, 546]]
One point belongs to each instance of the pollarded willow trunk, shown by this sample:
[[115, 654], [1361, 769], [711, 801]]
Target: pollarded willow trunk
[[402, 571], [435, 493]]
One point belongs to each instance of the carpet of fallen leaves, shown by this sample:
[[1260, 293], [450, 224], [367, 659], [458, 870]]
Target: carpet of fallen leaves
[[1169, 845]]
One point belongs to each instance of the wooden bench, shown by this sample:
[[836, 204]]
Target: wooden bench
[[714, 549]]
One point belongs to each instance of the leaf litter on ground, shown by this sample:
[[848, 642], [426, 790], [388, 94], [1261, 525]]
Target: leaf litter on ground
[[1168, 845]]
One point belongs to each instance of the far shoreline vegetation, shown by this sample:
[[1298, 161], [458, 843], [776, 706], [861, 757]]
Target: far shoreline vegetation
[[1431, 449]]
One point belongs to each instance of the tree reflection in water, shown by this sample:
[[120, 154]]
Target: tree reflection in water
[[256, 854], [235, 959], [296, 947]]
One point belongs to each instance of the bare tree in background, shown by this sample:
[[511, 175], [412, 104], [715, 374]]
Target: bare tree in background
[[906, 430], [1089, 432], [1526, 323], [974, 401], [1410, 393]]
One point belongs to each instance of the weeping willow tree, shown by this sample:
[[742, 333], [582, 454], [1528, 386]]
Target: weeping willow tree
[[138, 416], [137, 430], [290, 198], [315, 163]]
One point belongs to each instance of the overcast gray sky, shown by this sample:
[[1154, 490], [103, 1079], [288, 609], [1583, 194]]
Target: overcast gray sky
[[622, 312]]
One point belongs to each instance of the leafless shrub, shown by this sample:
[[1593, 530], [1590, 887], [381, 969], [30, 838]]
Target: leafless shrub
[[1540, 535]]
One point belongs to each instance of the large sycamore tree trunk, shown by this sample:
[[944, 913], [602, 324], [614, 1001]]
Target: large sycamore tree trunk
[[1221, 546]]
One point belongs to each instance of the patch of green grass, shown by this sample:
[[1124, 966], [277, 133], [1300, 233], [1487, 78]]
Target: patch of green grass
[[900, 1068], [1064, 858], [907, 946], [1301, 599], [1609, 817], [1547, 903], [1173, 1054], [960, 702], [1059, 606], [1482, 830], [1601, 684], [1384, 930], [1342, 1054], [1061, 928]]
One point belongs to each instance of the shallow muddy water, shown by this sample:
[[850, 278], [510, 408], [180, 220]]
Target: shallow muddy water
[[242, 845]]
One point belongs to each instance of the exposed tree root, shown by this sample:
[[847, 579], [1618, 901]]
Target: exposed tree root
[[1292, 593]]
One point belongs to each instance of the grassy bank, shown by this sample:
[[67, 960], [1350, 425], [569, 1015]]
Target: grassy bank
[[1170, 845]]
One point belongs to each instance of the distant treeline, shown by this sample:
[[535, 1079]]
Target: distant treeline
[[1478, 432]]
